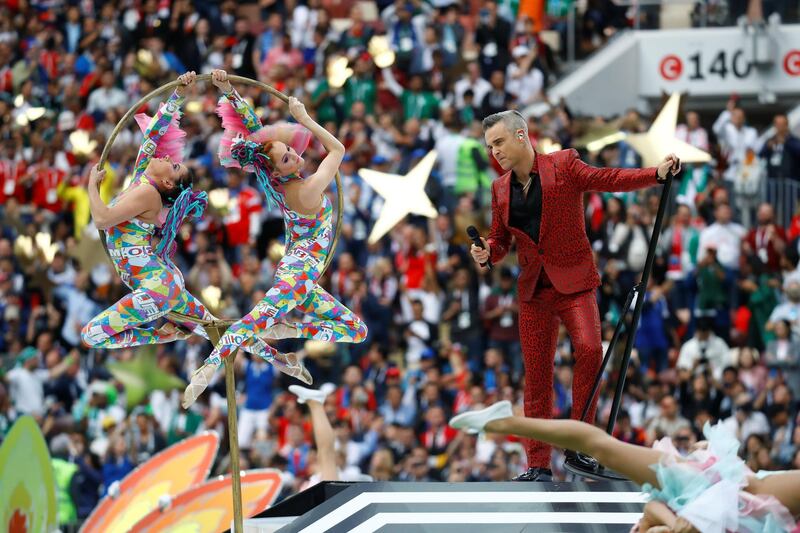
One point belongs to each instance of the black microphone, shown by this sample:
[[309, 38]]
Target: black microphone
[[472, 233]]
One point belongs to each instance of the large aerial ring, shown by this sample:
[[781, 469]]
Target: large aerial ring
[[167, 89]]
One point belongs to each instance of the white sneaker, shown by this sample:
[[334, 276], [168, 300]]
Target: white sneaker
[[475, 421], [304, 395]]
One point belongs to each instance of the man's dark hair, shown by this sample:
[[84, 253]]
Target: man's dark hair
[[168, 197]]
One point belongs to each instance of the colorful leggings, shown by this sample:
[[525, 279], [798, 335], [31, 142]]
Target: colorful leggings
[[125, 323], [295, 287]]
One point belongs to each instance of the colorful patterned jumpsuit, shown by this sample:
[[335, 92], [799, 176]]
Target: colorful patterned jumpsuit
[[296, 278], [157, 285]]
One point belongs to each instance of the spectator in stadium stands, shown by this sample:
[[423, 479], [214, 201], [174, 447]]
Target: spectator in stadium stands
[[752, 373], [782, 151], [501, 313], [668, 421], [789, 310], [498, 98], [27, 382], [399, 407], [259, 377], [118, 464], [697, 176], [524, 81], [107, 97], [726, 236], [471, 81], [493, 36], [745, 420], [448, 157], [626, 432], [418, 101], [783, 354], [462, 313], [652, 339], [699, 396], [145, 438], [692, 132], [703, 350], [766, 241], [735, 137], [419, 335]]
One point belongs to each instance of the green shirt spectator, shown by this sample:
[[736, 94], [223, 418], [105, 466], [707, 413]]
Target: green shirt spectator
[[360, 89], [328, 102], [417, 102]]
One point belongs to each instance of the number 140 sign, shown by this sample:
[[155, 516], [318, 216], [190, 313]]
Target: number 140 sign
[[717, 61], [719, 65], [701, 71]]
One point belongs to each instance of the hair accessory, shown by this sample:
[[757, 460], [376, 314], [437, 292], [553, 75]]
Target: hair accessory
[[245, 152], [189, 203]]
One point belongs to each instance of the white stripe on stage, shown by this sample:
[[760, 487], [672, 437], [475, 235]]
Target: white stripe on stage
[[363, 500], [382, 519]]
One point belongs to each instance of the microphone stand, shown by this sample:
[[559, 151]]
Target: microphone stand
[[582, 464]]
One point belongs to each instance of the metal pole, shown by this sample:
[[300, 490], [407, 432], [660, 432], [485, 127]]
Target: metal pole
[[214, 332], [612, 345], [233, 437], [637, 309]]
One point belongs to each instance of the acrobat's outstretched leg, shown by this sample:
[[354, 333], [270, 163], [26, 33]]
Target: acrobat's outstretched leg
[[628, 459], [291, 286], [294, 283], [189, 305], [326, 319], [122, 324]]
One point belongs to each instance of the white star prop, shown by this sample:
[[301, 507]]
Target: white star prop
[[660, 140], [402, 194]]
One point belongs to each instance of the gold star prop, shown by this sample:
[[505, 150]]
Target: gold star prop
[[402, 194], [597, 135], [660, 139]]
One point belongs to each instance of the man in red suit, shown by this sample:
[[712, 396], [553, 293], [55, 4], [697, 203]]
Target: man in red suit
[[539, 201]]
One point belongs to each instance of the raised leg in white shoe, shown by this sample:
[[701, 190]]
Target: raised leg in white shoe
[[307, 395], [628, 459], [324, 439]]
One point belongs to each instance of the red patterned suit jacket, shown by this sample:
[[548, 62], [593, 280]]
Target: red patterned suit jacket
[[563, 249]]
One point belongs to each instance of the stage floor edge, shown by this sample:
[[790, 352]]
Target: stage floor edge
[[394, 507]]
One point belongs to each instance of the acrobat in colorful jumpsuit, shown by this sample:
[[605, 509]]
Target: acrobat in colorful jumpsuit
[[297, 275], [157, 285]]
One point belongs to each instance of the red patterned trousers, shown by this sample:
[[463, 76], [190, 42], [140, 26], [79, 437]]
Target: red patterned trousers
[[539, 320]]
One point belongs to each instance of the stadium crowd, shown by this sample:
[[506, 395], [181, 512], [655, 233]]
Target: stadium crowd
[[719, 338]]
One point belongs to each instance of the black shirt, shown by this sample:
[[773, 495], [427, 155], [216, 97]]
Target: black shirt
[[526, 211]]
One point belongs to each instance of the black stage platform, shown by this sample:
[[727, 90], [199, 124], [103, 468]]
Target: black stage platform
[[398, 507]]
